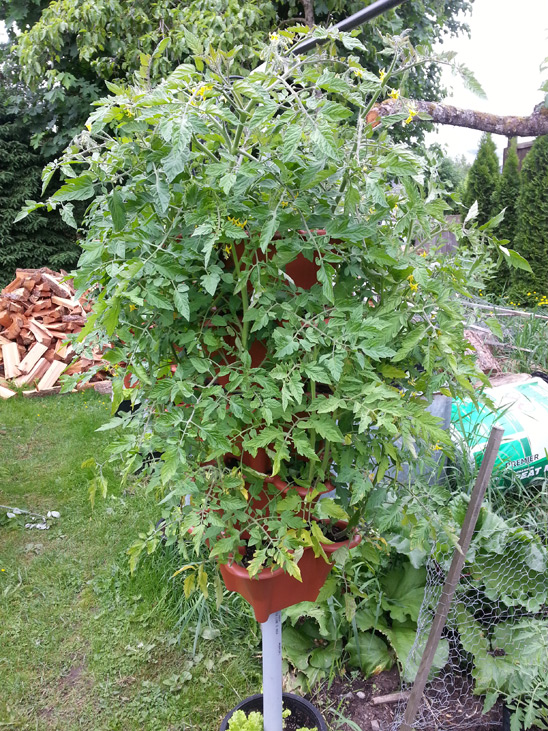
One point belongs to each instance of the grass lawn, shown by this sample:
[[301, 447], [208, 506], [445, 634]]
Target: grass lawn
[[83, 645]]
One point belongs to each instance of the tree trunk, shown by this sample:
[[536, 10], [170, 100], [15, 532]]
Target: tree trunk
[[533, 126], [308, 6]]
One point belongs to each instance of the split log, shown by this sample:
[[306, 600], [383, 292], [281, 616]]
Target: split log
[[34, 374], [6, 393], [32, 357], [51, 376], [10, 355]]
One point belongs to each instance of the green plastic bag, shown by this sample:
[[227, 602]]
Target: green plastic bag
[[521, 409]]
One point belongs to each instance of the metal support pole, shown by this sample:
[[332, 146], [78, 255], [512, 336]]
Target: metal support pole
[[459, 557], [353, 21], [271, 631]]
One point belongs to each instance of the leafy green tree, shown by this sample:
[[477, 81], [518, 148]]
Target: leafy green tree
[[42, 239], [483, 179], [70, 48], [531, 239]]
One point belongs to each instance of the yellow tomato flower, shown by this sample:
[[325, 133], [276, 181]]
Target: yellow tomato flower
[[382, 74], [394, 94], [412, 113]]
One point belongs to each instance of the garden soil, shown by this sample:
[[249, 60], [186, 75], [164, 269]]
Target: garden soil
[[343, 695]]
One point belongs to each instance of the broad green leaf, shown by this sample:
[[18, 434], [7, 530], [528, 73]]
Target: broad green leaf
[[515, 260], [117, 210], [403, 592], [162, 193], [268, 232], [373, 655], [297, 647], [402, 639], [76, 189], [67, 214], [157, 300], [111, 316], [409, 342], [292, 137], [324, 426], [334, 112], [494, 325], [210, 281], [193, 42], [180, 300]]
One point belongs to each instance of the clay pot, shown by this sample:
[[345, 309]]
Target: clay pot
[[270, 591], [301, 270], [259, 463]]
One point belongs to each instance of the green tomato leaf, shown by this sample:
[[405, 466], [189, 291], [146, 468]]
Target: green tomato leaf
[[117, 210], [180, 300], [210, 281], [76, 189], [292, 137]]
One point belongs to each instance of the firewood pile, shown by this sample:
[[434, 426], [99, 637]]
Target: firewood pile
[[38, 310]]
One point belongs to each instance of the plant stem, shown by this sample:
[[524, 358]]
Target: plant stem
[[245, 298]]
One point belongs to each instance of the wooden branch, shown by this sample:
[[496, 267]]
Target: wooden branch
[[533, 126]]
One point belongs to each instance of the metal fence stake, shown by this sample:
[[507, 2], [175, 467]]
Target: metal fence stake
[[271, 631], [459, 556]]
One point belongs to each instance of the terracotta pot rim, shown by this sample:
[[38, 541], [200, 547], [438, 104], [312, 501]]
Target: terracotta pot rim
[[267, 574]]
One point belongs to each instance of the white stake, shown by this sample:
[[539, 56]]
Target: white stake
[[272, 672]]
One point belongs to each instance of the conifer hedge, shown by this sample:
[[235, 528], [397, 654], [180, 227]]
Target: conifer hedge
[[482, 180], [506, 196], [41, 239], [532, 228]]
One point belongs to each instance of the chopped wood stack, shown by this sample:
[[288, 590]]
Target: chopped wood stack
[[38, 310]]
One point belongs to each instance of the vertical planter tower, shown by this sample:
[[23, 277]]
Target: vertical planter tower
[[251, 241]]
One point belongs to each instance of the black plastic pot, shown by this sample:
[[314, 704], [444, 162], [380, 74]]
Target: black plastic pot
[[306, 713]]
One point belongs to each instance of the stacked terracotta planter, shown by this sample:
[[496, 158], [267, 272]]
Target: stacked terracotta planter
[[273, 590]]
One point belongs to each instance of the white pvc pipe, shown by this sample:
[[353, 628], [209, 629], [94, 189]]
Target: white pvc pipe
[[272, 672]]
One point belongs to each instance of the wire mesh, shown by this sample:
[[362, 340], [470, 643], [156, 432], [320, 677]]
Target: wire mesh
[[494, 648]]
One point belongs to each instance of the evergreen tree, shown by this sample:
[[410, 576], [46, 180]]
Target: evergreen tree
[[532, 228], [506, 196], [41, 239], [482, 179]]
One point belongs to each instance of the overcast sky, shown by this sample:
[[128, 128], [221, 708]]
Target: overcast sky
[[509, 41]]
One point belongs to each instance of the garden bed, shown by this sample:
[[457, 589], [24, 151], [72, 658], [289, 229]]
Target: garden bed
[[355, 699]]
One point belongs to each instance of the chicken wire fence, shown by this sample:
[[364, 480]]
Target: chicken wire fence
[[494, 648]]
